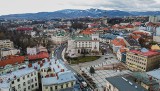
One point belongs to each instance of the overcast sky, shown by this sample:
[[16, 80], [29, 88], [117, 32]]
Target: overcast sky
[[33, 6]]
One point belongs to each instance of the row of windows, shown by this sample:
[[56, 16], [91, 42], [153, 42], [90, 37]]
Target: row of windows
[[137, 61], [56, 87], [29, 87], [139, 67], [18, 80], [138, 58]]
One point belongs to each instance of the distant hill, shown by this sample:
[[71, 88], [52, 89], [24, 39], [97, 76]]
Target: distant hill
[[75, 13]]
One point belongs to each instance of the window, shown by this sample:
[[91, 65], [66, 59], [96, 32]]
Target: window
[[35, 84], [19, 86], [35, 79], [24, 84], [12, 82], [32, 80], [28, 81], [46, 87], [28, 87], [61, 86], [13, 89], [23, 77], [71, 83], [55, 87], [18, 80], [51, 88], [32, 86], [31, 74], [34, 73], [28, 76], [67, 85], [24, 89]]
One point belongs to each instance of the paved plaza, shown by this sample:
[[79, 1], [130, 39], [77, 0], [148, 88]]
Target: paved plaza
[[100, 75]]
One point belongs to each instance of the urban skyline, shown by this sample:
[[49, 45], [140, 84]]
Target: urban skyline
[[32, 6]]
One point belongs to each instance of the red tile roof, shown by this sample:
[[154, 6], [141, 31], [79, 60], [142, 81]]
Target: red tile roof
[[38, 56], [137, 23], [12, 60], [149, 53], [129, 26], [118, 42], [24, 29]]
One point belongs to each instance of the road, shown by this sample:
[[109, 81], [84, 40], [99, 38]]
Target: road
[[58, 55]]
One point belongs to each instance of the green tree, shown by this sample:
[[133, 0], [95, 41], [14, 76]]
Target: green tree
[[92, 70]]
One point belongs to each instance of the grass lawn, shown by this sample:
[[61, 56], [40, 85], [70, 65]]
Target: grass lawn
[[83, 59]]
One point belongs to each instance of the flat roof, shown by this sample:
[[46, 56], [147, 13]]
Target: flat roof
[[155, 73], [145, 53], [123, 84], [63, 77], [82, 38], [7, 78]]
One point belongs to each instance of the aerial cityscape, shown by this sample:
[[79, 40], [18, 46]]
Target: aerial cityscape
[[79, 45]]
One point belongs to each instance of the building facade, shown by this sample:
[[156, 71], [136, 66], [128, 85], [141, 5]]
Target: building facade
[[6, 44], [25, 79], [143, 60]]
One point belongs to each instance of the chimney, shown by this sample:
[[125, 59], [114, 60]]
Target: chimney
[[43, 61], [55, 62], [14, 77], [35, 68], [50, 63], [46, 76], [41, 64], [30, 65], [58, 66]]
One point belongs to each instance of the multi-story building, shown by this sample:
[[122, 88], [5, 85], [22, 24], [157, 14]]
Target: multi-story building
[[142, 60], [155, 74], [55, 76], [6, 44], [23, 79], [8, 51], [84, 43], [60, 36], [120, 83]]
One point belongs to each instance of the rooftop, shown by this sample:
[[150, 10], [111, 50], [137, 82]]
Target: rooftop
[[132, 41], [62, 78], [119, 41], [155, 73], [6, 79], [122, 84], [82, 38], [145, 52]]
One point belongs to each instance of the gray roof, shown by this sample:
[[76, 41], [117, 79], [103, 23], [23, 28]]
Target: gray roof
[[122, 84], [108, 36]]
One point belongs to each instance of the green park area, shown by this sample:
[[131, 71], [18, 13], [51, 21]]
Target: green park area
[[82, 59]]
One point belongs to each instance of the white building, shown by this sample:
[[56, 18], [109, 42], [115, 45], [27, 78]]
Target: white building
[[6, 44], [35, 50], [55, 76], [8, 51], [24, 79], [154, 19], [60, 36], [83, 43], [155, 74]]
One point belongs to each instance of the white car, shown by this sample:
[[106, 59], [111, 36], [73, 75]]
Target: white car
[[107, 54]]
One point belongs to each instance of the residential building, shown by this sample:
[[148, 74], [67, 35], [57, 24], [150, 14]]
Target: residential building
[[121, 54], [23, 79], [131, 43], [117, 43], [144, 80], [154, 19], [35, 50], [60, 36], [155, 74], [142, 60], [8, 51], [6, 44], [55, 76], [120, 83]]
